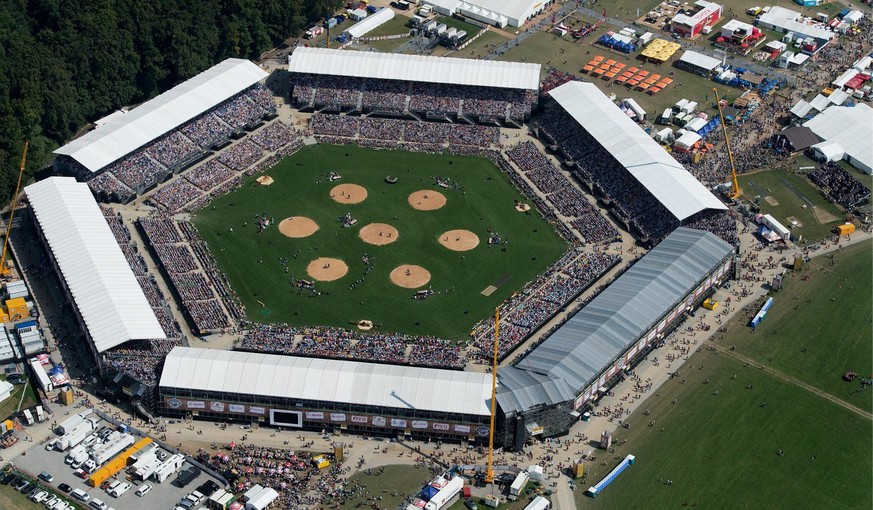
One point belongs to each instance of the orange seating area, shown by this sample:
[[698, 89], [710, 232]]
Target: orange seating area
[[632, 77]]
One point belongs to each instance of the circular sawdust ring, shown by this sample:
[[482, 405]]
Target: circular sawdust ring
[[410, 276], [348, 193], [326, 269], [459, 240], [378, 234], [426, 200], [298, 226]]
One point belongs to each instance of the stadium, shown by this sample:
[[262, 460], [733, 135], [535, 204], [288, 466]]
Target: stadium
[[125, 193]]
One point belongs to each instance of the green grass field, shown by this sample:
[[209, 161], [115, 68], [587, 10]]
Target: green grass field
[[820, 340], [772, 183], [718, 443], [252, 260], [383, 484], [10, 405]]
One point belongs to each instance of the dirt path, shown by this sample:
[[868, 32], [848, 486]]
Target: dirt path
[[795, 381]]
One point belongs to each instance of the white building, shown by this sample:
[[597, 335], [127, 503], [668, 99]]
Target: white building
[[847, 133], [785, 20], [369, 24], [499, 13]]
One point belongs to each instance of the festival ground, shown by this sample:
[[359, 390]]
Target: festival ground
[[269, 267]]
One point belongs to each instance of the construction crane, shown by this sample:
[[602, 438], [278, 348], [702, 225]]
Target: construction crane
[[735, 191], [489, 471], [4, 271]]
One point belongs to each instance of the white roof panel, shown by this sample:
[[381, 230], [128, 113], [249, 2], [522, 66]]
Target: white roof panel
[[350, 382], [104, 288], [700, 60], [396, 66], [126, 133], [648, 162], [850, 127], [370, 22]]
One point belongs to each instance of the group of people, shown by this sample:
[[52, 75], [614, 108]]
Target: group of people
[[141, 359], [190, 279], [843, 187], [539, 300], [148, 165], [334, 342], [411, 132], [392, 96]]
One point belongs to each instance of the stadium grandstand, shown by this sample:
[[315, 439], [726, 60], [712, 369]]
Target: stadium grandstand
[[108, 302], [413, 86], [644, 186], [545, 392], [131, 152], [319, 394]]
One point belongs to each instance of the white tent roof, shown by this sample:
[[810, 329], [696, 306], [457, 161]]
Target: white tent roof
[[851, 128], [801, 108], [820, 102], [651, 165], [104, 288], [687, 140], [328, 380], [700, 60], [786, 19], [370, 22], [844, 78], [514, 9], [396, 66], [838, 97], [150, 120]]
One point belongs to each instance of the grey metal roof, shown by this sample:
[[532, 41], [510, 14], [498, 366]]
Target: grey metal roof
[[586, 344], [520, 390]]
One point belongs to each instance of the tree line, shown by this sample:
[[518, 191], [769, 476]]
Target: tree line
[[64, 64]]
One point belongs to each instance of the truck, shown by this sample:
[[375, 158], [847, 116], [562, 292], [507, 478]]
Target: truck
[[440, 499], [112, 448], [142, 471], [169, 467], [75, 436], [330, 23], [75, 453], [313, 32], [518, 484]]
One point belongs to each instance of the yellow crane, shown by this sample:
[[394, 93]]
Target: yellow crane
[[735, 191], [4, 271], [489, 471]]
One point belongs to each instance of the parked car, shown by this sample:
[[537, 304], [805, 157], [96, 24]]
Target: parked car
[[64, 488], [45, 476], [144, 489]]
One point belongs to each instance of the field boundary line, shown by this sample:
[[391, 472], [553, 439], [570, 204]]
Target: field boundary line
[[795, 381]]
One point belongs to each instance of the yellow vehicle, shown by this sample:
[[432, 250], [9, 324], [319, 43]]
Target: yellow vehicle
[[710, 304]]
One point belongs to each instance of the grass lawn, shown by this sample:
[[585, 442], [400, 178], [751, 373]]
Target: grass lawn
[[772, 183], [477, 49], [11, 498], [818, 341], [397, 25], [627, 9], [404, 480], [720, 450], [520, 504], [252, 260], [546, 48], [450, 22], [10, 406]]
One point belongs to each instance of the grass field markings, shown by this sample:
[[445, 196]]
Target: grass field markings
[[503, 279], [797, 192], [758, 189], [488, 290], [795, 381]]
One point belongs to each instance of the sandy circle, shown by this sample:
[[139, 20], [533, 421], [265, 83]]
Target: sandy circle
[[378, 233], [348, 193], [297, 226], [265, 180], [326, 269], [522, 207], [459, 240], [426, 200], [410, 276]]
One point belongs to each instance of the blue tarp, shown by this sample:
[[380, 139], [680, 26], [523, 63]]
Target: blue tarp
[[428, 492], [24, 325]]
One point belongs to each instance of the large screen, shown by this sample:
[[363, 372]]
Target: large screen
[[286, 418]]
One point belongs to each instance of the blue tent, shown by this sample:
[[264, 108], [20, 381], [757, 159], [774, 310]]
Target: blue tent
[[428, 492]]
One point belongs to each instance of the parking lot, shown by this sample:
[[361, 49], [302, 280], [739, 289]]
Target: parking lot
[[162, 495]]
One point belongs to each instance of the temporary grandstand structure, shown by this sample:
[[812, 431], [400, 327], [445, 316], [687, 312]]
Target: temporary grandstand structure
[[156, 117], [101, 286], [848, 128], [275, 382], [370, 23], [667, 180], [493, 12], [396, 66]]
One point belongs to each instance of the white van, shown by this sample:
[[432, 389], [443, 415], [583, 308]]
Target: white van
[[80, 495], [119, 490], [143, 490], [99, 505], [111, 487]]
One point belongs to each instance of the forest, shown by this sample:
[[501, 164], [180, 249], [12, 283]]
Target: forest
[[64, 64]]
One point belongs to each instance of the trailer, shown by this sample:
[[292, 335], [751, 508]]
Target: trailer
[[40, 414], [44, 382], [609, 478], [75, 436], [313, 32], [169, 467], [441, 498], [519, 483], [146, 469], [28, 417], [112, 448], [539, 503], [71, 422]]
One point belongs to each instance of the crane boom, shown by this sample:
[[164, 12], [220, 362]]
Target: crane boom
[[489, 472], [3, 270], [736, 192]]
